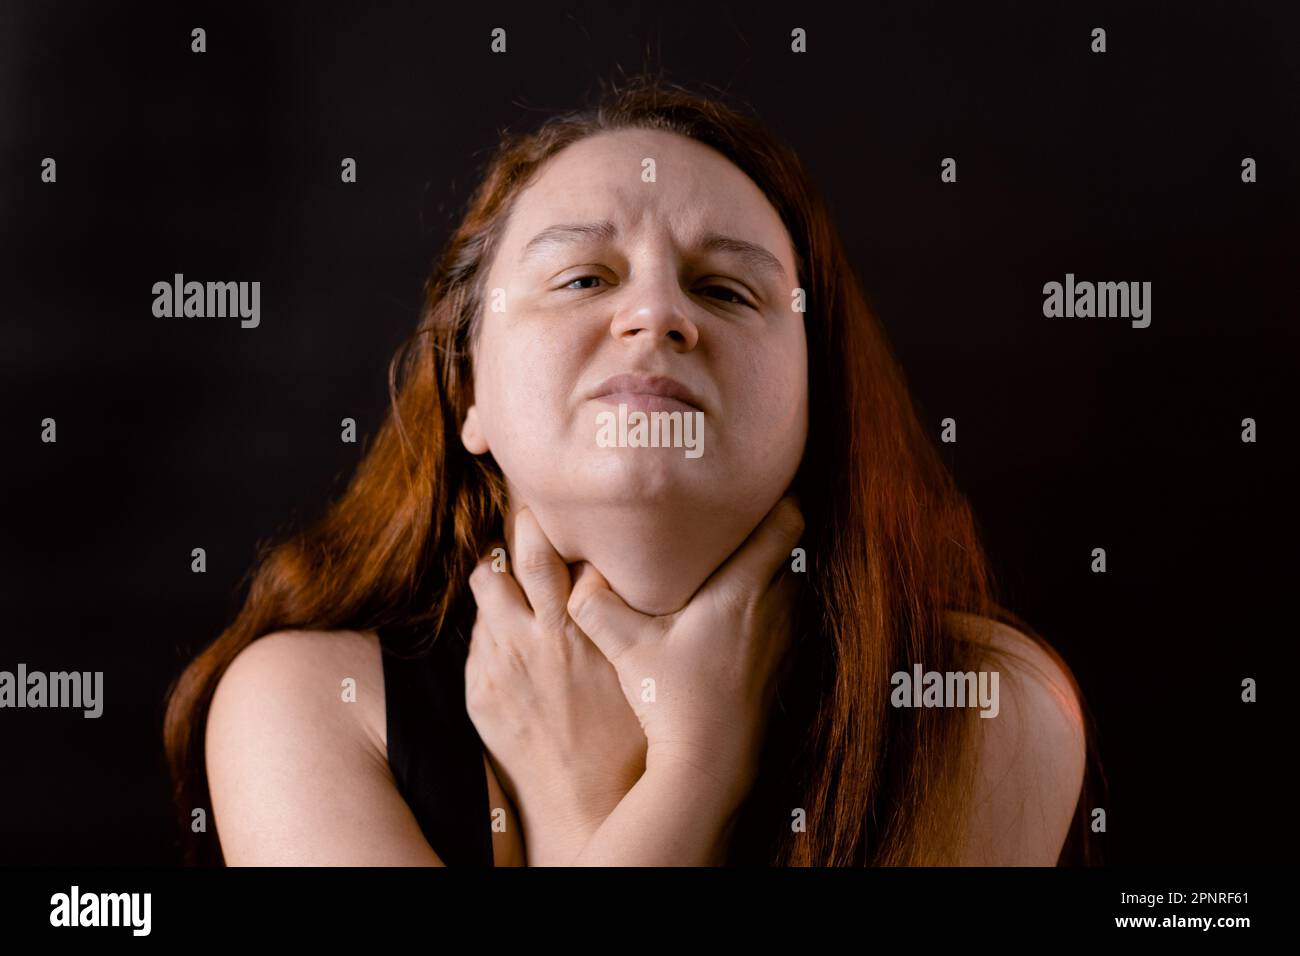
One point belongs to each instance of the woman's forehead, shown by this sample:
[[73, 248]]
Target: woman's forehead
[[645, 181]]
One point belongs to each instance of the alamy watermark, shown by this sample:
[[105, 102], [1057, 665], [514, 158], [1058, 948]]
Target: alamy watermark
[[922, 688], [75, 689], [75, 908], [1125, 300], [179, 299], [656, 429]]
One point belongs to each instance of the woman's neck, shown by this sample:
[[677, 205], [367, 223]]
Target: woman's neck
[[654, 557]]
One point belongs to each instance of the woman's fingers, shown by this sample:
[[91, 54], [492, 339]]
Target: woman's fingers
[[499, 597], [755, 562], [582, 572], [540, 570], [481, 646], [601, 614]]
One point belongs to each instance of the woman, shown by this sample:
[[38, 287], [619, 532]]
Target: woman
[[668, 655]]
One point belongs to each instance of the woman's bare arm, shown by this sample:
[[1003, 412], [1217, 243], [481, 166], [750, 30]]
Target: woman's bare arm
[[298, 776], [675, 815]]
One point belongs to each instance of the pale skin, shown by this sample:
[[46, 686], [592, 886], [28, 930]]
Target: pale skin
[[626, 565]]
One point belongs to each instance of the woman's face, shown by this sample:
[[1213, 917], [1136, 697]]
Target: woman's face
[[678, 273]]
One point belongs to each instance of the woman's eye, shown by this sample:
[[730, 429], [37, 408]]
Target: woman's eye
[[736, 297], [569, 284], [726, 293]]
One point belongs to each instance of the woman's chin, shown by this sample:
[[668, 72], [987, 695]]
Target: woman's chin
[[648, 475]]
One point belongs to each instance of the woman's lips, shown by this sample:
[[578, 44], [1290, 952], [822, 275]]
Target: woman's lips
[[643, 392], [645, 402]]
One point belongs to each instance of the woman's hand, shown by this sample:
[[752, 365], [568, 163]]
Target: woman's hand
[[546, 703], [701, 680]]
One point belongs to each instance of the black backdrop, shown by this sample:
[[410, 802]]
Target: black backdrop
[[1073, 434]]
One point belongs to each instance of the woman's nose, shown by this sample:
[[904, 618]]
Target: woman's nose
[[657, 310]]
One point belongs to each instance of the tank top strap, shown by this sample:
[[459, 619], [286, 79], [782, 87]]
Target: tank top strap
[[434, 750]]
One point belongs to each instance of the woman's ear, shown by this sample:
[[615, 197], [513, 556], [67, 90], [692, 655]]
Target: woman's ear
[[471, 433]]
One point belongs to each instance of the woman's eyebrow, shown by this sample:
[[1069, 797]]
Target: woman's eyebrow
[[569, 232], [753, 255]]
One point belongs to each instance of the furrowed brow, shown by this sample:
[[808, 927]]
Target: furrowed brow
[[568, 233], [752, 254]]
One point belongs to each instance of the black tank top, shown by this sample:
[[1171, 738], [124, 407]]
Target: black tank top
[[434, 751]]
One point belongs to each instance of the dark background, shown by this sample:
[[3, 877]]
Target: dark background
[[1073, 434]]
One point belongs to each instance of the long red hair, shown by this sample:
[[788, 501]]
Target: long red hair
[[891, 543]]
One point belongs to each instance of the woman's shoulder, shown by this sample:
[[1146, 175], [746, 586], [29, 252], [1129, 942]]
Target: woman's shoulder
[[296, 756], [1032, 756], [1037, 673], [324, 682]]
